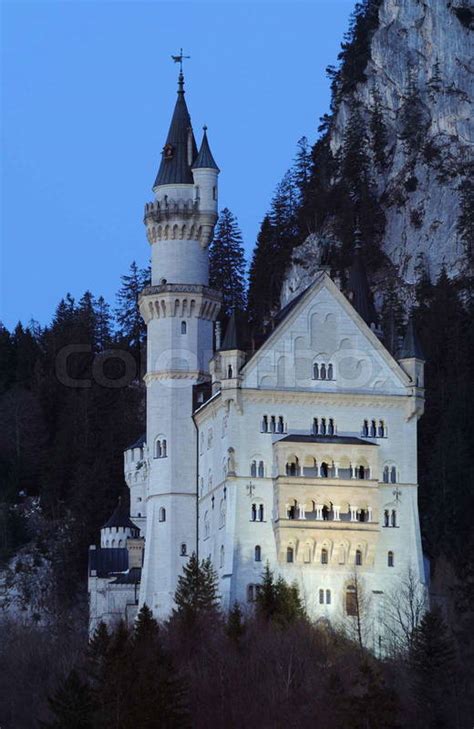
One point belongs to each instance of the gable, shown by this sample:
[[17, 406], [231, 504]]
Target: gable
[[325, 331]]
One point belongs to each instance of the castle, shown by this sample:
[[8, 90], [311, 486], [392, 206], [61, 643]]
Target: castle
[[301, 453]]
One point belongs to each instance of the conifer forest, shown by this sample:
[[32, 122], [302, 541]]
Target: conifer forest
[[62, 437]]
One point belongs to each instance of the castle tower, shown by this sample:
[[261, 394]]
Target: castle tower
[[179, 309]]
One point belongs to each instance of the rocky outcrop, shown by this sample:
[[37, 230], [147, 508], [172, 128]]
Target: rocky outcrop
[[419, 80]]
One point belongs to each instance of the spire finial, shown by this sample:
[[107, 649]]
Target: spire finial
[[179, 59], [204, 128]]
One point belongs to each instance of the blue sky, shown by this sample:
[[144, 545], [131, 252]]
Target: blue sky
[[88, 89]]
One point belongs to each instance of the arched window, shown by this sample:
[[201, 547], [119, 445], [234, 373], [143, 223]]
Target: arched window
[[373, 429], [272, 424], [322, 372], [393, 475], [120, 543], [361, 472], [330, 372], [351, 601], [183, 550], [331, 426], [258, 553], [365, 428], [328, 597], [315, 371], [315, 426], [162, 514], [385, 474], [324, 556], [183, 327], [253, 513], [390, 562], [386, 518], [250, 593], [358, 559], [265, 424], [260, 512], [113, 543], [323, 426], [394, 518], [290, 554], [158, 449], [222, 555], [253, 468], [163, 449], [381, 429], [229, 372], [321, 597], [324, 470], [261, 469], [281, 424]]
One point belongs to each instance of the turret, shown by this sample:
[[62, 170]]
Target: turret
[[118, 528], [205, 172], [411, 356], [359, 293], [226, 365]]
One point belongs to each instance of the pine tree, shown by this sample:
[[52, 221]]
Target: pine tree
[[302, 166], [132, 326], [379, 133], [235, 627], [433, 664], [465, 225], [277, 601], [196, 592], [227, 263], [156, 696], [263, 281], [72, 705]]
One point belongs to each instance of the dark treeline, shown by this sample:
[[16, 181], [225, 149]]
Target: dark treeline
[[269, 667], [66, 417]]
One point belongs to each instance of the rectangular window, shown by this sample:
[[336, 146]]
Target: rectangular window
[[321, 597], [328, 597]]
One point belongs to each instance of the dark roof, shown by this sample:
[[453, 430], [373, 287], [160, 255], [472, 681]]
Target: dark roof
[[108, 561], [233, 338], [359, 291], [131, 577], [175, 166], [121, 518], [411, 346], [337, 439], [205, 158], [139, 443]]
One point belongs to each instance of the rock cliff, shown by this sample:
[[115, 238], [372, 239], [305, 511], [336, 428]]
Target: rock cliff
[[418, 84]]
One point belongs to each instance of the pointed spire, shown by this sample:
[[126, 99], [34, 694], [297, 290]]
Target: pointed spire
[[232, 338], [411, 347], [205, 158], [360, 294], [180, 148], [120, 517]]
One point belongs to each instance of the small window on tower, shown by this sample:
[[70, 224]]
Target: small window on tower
[[214, 193], [183, 550], [183, 327]]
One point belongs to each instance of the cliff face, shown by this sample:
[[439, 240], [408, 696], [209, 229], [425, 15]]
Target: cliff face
[[419, 80]]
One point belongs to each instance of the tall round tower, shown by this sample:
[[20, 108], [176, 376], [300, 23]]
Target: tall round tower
[[179, 309]]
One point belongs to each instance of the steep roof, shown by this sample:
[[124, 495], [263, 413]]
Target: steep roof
[[233, 338], [360, 295], [205, 158], [411, 346], [139, 443], [175, 167], [108, 560], [120, 518]]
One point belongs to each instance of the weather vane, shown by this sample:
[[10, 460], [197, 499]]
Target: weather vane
[[179, 59]]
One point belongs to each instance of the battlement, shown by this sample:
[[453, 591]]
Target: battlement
[[156, 212]]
